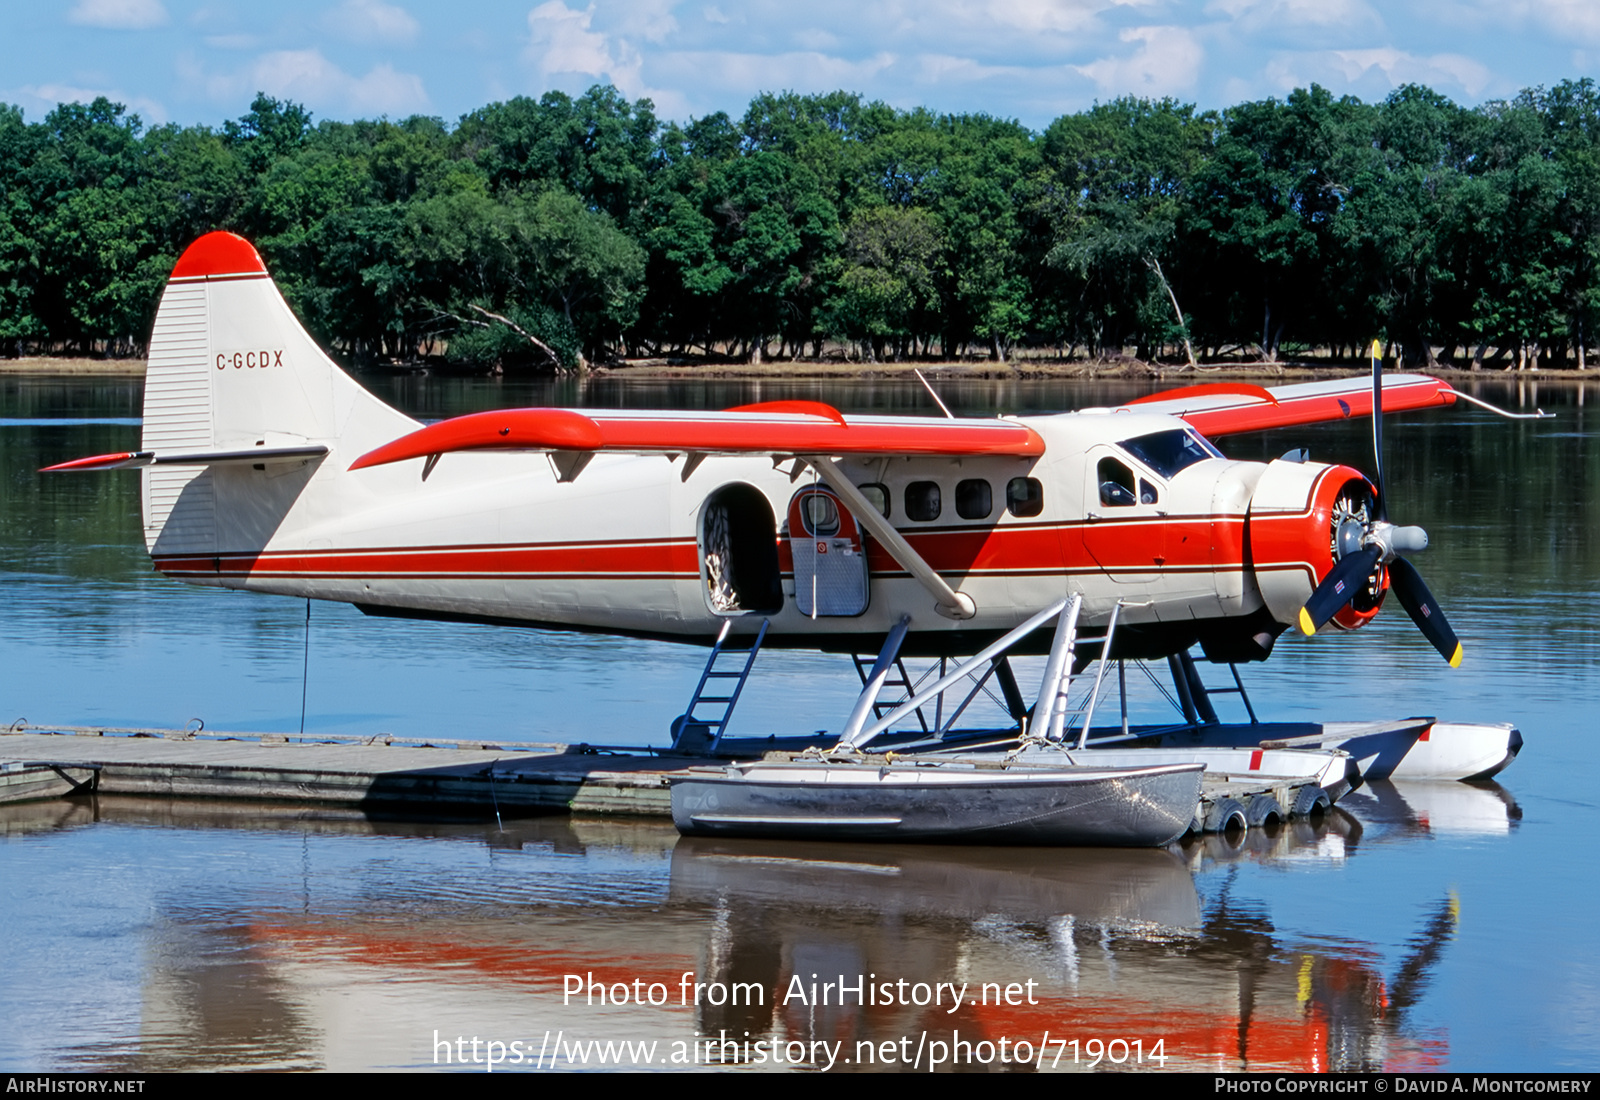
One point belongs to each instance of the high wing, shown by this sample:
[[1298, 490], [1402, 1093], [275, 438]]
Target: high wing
[[1227, 408], [810, 427], [776, 427]]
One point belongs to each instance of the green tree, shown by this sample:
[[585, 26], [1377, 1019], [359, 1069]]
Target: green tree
[[888, 290]]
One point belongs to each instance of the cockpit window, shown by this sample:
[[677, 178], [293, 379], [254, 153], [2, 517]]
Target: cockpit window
[[1116, 484], [1169, 452]]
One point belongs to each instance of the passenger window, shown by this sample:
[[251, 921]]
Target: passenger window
[[974, 498], [1147, 492], [1024, 497], [1116, 484], [923, 502], [821, 515], [877, 495]]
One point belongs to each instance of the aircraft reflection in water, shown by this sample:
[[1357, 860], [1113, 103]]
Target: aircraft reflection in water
[[348, 963], [1119, 943]]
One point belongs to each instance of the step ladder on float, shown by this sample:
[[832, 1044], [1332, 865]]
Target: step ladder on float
[[699, 729]]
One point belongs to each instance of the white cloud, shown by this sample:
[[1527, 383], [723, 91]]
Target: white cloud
[[1256, 15], [812, 38], [124, 15], [1377, 71], [1059, 16], [748, 73], [1570, 18], [651, 20], [1166, 62], [563, 41], [1401, 67], [934, 68], [560, 41], [713, 14], [372, 21], [47, 97], [306, 76]]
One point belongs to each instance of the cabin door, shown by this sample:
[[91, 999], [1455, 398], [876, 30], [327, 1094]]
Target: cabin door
[[738, 542], [1125, 521], [830, 560]]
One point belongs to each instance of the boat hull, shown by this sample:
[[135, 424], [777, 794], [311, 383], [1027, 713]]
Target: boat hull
[[940, 801]]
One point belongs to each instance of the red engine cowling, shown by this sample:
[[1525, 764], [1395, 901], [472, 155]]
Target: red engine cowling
[[1293, 537]]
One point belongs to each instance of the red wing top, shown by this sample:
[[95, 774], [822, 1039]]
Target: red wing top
[[780, 427], [1228, 408]]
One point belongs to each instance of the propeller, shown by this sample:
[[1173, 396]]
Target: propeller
[[1363, 546]]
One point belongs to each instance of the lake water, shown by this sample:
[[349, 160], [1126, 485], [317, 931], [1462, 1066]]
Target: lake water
[[1422, 926]]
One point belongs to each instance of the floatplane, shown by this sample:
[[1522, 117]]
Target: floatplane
[[267, 468]]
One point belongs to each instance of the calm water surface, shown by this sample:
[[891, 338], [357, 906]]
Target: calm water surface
[[1426, 926]]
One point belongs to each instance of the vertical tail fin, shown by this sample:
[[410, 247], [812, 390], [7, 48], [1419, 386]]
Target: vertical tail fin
[[231, 367]]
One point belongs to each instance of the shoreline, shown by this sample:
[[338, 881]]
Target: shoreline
[[49, 365], [1129, 369]]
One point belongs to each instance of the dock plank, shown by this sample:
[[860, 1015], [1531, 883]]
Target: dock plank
[[515, 780]]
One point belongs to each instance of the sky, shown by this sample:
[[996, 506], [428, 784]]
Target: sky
[[203, 61]]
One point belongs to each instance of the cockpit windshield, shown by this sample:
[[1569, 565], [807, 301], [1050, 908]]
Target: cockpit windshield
[[1171, 451]]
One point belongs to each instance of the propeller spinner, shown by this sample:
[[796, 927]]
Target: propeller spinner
[[1364, 545]]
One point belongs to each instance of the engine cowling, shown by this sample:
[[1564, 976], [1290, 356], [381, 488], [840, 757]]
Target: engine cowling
[[1303, 518]]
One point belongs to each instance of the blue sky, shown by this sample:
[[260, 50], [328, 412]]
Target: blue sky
[[202, 61]]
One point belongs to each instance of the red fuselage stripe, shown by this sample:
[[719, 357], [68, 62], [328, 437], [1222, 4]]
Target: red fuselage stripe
[[1152, 548]]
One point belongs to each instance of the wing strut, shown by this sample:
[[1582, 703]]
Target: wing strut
[[950, 603]]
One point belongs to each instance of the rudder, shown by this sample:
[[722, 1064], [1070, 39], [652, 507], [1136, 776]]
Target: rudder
[[231, 367]]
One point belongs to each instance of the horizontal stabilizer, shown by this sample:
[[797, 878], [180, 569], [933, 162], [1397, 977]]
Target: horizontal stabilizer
[[132, 460], [775, 428], [1229, 408]]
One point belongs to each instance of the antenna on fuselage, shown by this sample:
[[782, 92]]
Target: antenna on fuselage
[[305, 669]]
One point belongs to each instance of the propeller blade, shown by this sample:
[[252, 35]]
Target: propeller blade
[[1424, 610], [1342, 582], [1381, 512]]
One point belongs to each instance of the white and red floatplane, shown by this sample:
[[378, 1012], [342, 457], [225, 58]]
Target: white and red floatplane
[[267, 468]]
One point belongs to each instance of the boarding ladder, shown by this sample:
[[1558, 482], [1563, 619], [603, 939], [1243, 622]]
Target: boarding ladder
[[899, 680], [1194, 696], [697, 732], [1055, 714]]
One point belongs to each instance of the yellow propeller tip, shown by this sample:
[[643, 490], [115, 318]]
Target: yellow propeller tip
[[1455, 658], [1307, 627]]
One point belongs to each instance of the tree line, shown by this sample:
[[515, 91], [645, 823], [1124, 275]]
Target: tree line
[[548, 232]]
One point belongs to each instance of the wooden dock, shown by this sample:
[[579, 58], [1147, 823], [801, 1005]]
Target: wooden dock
[[397, 777], [375, 773]]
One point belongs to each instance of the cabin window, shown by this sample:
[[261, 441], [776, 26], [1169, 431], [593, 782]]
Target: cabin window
[[1147, 492], [1024, 497], [877, 495], [974, 498], [1116, 484], [1169, 452], [821, 515], [923, 502]]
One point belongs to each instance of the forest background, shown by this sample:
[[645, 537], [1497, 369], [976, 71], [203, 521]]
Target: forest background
[[550, 233]]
